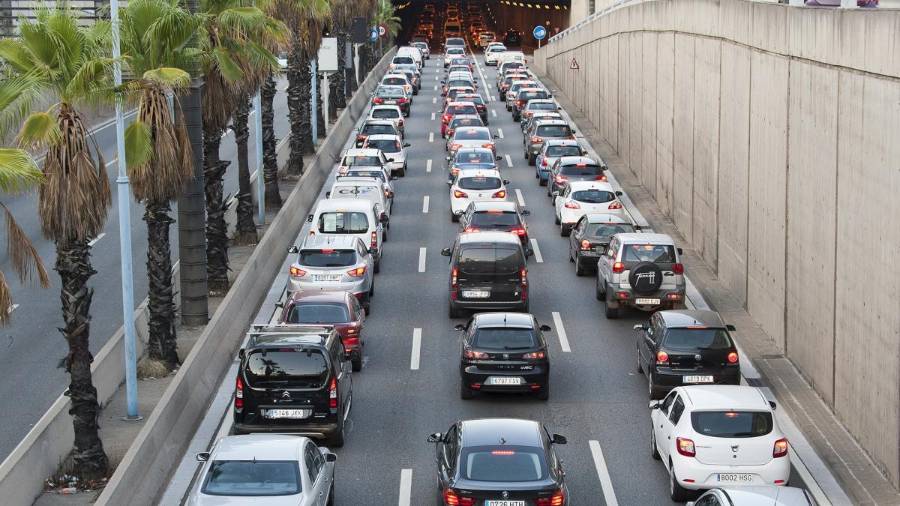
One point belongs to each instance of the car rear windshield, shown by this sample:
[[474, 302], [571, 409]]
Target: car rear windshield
[[694, 339], [563, 151], [504, 339], [456, 50], [657, 253], [475, 99], [248, 478], [385, 114], [455, 41], [593, 196], [581, 170], [378, 129], [503, 463], [479, 183], [472, 134], [490, 260], [377, 174], [474, 157], [319, 313], [343, 222], [385, 145], [397, 81], [553, 131], [532, 95], [362, 160], [306, 368], [404, 59], [327, 257], [391, 92], [541, 106], [607, 229], [462, 109], [732, 424], [465, 122], [495, 219]]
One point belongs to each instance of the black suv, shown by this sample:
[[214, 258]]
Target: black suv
[[293, 379], [512, 38], [487, 272], [682, 347]]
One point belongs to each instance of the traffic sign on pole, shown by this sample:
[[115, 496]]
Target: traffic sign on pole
[[382, 30], [539, 32], [373, 34]]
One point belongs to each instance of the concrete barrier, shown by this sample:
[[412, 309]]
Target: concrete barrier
[[141, 475]]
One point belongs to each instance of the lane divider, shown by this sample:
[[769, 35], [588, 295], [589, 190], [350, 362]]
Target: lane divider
[[493, 113], [561, 333], [432, 116], [428, 166], [520, 198], [500, 133], [425, 205], [603, 473], [422, 253], [508, 161], [430, 136], [414, 365], [405, 486], [537, 251]]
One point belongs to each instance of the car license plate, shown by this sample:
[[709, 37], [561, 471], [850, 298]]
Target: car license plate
[[476, 294], [698, 379], [504, 503], [390, 102], [735, 478], [503, 380], [326, 277], [295, 414], [646, 301]]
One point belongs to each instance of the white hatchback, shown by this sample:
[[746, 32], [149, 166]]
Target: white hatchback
[[582, 197], [718, 436], [388, 112], [475, 185]]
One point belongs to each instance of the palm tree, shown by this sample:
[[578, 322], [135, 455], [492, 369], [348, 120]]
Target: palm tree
[[385, 16], [270, 143], [155, 37], [60, 58]]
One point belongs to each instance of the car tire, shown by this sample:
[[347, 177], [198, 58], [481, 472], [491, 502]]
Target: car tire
[[525, 154], [579, 270], [544, 393], [654, 451], [542, 182], [653, 393], [367, 307], [465, 392], [377, 266], [356, 361], [556, 218], [565, 230], [384, 235], [372, 289], [531, 160], [676, 491], [452, 311]]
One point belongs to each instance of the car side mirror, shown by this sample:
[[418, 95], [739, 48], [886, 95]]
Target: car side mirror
[[638, 227], [496, 136], [279, 305], [506, 181], [202, 456], [618, 194], [555, 194], [730, 328], [293, 249], [309, 219], [545, 328], [445, 252], [640, 326], [437, 437], [328, 195], [654, 404], [241, 353], [526, 212], [448, 158], [460, 327], [406, 144], [558, 439], [330, 457], [680, 251], [773, 405]]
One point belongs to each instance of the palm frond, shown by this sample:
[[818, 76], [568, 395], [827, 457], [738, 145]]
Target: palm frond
[[18, 171], [23, 256], [138, 144], [39, 130]]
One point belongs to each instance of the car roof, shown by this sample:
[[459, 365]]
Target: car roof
[[542, 101], [605, 218], [512, 320], [459, 102], [574, 160], [500, 431], [362, 151], [343, 205], [479, 172], [259, 447], [383, 106], [466, 116], [680, 318], [780, 496], [282, 334], [471, 127], [489, 237], [393, 74], [329, 241], [377, 121], [639, 238], [552, 121], [585, 185], [319, 296], [382, 137], [490, 205], [732, 397]]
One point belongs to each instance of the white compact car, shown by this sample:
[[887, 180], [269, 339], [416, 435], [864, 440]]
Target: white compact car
[[711, 436], [453, 52], [475, 185], [581, 197], [362, 157], [389, 112], [365, 188], [492, 53], [258, 469], [393, 148], [357, 217]]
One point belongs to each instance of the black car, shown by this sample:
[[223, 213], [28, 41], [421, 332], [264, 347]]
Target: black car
[[502, 216], [293, 379], [487, 272], [501, 460], [573, 168], [590, 237], [504, 352], [512, 38], [686, 347]]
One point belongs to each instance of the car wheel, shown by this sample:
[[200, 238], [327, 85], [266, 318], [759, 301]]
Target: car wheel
[[654, 451], [465, 392], [367, 307], [377, 266], [556, 218], [536, 175], [452, 312], [525, 155], [356, 361], [454, 217], [544, 393], [372, 289], [384, 235], [542, 182], [652, 392], [598, 292], [676, 491], [403, 171], [565, 230], [531, 160], [579, 270]]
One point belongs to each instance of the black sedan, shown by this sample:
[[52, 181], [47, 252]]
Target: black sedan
[[504, 352], [502, 461], [590, 237]]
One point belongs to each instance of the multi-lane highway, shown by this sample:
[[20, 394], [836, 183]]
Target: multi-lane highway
[[32, 345]]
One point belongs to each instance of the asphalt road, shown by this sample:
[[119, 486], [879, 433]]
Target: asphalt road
[[32, 346]]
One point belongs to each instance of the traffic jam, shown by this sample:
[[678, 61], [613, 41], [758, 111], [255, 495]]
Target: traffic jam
[[571, 367]]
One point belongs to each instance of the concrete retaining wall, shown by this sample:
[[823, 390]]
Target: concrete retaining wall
[[142, 474], [769, 135]]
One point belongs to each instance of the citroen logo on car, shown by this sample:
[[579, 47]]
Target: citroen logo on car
[[285, 395]]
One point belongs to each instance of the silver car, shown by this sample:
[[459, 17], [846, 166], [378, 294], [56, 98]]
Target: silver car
[[265, 469], [471, 137], [333, 263], [393, 148]]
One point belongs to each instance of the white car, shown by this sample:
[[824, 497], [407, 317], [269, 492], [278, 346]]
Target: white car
[[492, 53], [397, 80], [374, 172], [711, 436], [357, 217], [365, 188], [361, 157], [391, 112], [265, 469], [582, 197], [393, 148], [453, 52], [755, 496], [475, 185]]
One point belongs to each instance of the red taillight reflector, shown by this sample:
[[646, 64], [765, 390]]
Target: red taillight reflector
[[534, 355], [673, 296], [615, 205], [662, 357], [358, 272], [475, 355], [453, 277], [585, 244], [732, 357], [779, 482], [544, 162], [523, 275], [678, 268], [377, 100], [239, 394], [297, 272], [470, 229], [685, 447], [572, 205], [558, 499], [518, 231], [333, 394], [618, 267], [781, 448], [460, 195], [499, 195], [452, 498], [374, 240]]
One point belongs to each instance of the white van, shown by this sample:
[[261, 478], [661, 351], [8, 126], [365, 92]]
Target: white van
[[412, 52], [364, 188], [350, 217], [509, 56]]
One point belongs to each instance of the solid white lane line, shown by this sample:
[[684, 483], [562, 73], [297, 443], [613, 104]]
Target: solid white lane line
[[520, 198], [414, 358], [483, 80], [561, 332], [493, 113], [603, 473], [430, 136], [422, 253], [537, 251], [428, 166], [405, 486], [437, 77], [432, 116], [425, 204], [508, 161], [500, 133], [96, 239]]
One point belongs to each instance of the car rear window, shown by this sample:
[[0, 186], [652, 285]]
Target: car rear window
[[327, 257], [459, 83], [455, 123], [495, 219], [503, 463], [391, 92], [404, 59], [455, 50], [306, 367], [532, 95], [319, 313], [398, 81], [462, 109], [472, 134], [479, 183], [563, 151], [367, 173], [362, 160], [490, 260], [248, 478], [474, 157], [343, 222], [732, 424], [385, 114], [593, 196], [693, 339], [541, 106], [553, 131], [353, 191], [607, 229], [504, 339], [378, 129], [455, 41], [475, 99], [657, 253], [385, 145], [581, 170]]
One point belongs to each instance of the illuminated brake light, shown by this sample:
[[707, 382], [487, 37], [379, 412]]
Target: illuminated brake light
[[733, 357], [470, 229], [504, 453], [615, 205], [535, 355], [475, 355], [499, 195], [560, 179], [460, 195], [297, 272], [678, 268], [558, 499], [572, 205], [618, 267], [333, 394], [781, 448], [377, 100], [601, 177], [239, 394], [523, 276], [452, 498], [662, 358], [488, 146], [685, 447], [519, 231], [585, 245], [374, 240], [357, 272], [536, 140], [544, 162]]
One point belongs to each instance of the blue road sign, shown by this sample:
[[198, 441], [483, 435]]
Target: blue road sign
[[539, 32], [373, 34]]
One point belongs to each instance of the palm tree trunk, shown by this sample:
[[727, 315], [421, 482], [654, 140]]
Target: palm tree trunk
[[305, 96], [270, 144], [216, 228], [245, 232], [73, 263], [320, 113], [297, 113], [338, 94], [162, 344]]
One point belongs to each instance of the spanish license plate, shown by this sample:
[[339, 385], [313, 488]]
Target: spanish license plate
[[476, 294], [293, 414], [504, 503], [698, 379], [735, 478], [326, 277], [648, 302], [503, 380], [390, 102]]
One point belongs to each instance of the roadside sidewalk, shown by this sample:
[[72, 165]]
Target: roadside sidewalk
[[843, 458]]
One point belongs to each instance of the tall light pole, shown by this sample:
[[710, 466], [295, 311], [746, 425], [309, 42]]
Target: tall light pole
[[124, 200]]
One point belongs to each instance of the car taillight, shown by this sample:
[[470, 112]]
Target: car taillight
[[685, 447], [557, 499], [297, 272], [488, 146], [374, 240], [333, 394], [733, 357], [662, 357], [445, 118], [454, 171], [601, 177], [523, 276], [618, 267], [239, 394], [534, 355], [358, 272], [678, 268], [454, 278], [400, 122], [470, 229], [560, 179], [475, 355], [520, 102], [544, 162], [360, 138], [401, 100], [781, 448], [452, 498], [377, 100], [499, 195], [572, 205], [536, 140], [455, 146], [519, 231], [460, 195], [585, 244]]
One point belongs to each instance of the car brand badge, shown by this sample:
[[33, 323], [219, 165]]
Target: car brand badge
[[734, 448], [505, 494], [649, 276], [698, 357], [506, 355], [285, 395]]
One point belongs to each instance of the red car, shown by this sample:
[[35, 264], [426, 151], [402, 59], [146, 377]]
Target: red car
[[454, 108], [340, 309]]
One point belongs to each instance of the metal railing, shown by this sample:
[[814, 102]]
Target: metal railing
[[12, 12]]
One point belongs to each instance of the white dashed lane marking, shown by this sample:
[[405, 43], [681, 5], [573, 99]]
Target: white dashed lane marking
[[428, 166], [520, 198], [537, 251], [405, 485], [414, 356], [422, 254], [561, 333], [603, 473], [425, 204], [508, 161]]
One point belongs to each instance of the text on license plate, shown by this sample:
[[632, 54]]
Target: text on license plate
[[287, 413], [389, 102], [476, 294], [504, 380], [735, 478], [326, 277], [646, 301], [698, 379], [504, 503]]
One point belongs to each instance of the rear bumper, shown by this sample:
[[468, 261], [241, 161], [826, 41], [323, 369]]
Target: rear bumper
[[533, 380], [313, 430], [356, 287], [666, 378], [487, 305], [694, 475], [662, 295]]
